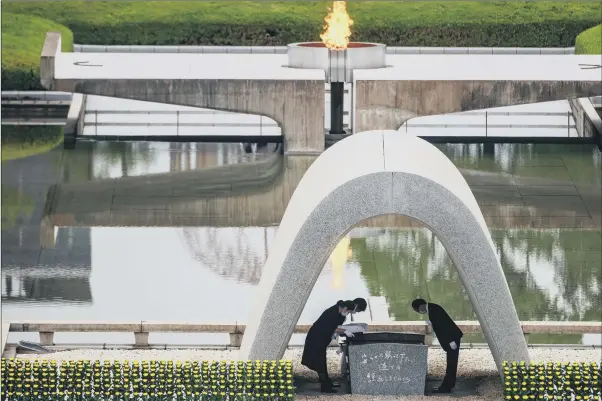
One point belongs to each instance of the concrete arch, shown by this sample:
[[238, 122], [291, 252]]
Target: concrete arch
[[366, 175]]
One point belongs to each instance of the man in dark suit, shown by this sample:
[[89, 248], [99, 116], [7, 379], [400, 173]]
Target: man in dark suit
[[449, 336]]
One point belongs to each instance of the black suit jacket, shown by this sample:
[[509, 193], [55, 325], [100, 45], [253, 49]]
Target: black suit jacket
[[444, 327], [319, 336]]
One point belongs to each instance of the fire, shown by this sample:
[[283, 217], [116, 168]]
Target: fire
[[338, 27]]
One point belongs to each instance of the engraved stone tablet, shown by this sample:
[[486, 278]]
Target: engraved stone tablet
[[388, 368]]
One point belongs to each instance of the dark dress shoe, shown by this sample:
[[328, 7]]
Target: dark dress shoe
[[442, 390], [327, 389]]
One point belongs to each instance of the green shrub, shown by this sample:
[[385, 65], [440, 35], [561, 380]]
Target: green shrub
[[22, 41], [552, 381], [590, 41], [433, 23], [19, 141], [146, 380]]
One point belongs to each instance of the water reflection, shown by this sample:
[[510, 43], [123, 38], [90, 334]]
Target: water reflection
[[579, 165], [34, 274], [157, 230], [232, 253], [239, 253], [552, 274], [127, 159]]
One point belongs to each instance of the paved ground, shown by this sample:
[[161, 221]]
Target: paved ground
[[464, 388]]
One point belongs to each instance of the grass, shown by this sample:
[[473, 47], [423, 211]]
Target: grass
[[590, 41], [20, 141], [22, 41]]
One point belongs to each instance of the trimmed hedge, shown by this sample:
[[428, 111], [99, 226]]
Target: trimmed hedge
[[26, 380], [552, 381], [433, 23], [22, 41], [590, 41]]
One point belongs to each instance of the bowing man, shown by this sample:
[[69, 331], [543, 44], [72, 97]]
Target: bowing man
[[449, 336], [320, 335]]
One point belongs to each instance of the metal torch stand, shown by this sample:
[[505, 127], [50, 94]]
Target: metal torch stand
[[338, 73]]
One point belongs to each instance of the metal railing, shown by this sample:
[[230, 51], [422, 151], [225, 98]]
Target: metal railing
[[36, 102], [142, 329], [81, 48], [35, 107], [487, 125], [262, 122], [36, 95], [34, 115]]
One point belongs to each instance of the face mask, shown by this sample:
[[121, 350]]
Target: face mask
[[344, 313]]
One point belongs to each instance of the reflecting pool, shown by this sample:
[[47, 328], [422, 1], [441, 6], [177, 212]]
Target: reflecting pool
[[172, 231]]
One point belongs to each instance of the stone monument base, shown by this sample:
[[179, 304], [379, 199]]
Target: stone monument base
[[387, 368]]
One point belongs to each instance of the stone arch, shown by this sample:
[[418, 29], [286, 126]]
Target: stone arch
[[367, 175]]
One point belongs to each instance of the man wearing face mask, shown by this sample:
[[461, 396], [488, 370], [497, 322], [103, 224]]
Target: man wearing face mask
[[449, 336], [319, 337]]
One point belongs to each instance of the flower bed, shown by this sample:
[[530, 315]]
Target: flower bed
[[25, 380], [552, 381]]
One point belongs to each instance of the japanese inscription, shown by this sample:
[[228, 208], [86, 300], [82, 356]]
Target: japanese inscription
[[387, 368]]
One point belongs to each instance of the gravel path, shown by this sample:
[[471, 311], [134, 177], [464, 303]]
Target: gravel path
[[474, 363]]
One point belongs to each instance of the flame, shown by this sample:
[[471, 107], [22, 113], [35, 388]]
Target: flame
[[338, 27]]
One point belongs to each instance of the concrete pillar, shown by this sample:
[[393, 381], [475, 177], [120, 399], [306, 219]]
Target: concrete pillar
[[47, 239], [46, 338], [235, 339], [141, 340]]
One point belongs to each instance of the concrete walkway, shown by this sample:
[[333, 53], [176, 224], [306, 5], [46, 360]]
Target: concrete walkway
[[423, 67]]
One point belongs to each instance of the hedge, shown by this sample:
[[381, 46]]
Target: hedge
[[417, 23], [24, 380], [552, 381], [22, 42], [590, 41]]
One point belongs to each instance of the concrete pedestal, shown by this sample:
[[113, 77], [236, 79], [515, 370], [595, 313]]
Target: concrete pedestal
[[387, 368]]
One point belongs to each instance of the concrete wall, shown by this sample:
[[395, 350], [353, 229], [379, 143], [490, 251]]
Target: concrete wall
[[75, 117], [388, 104], [52, 47], [587, 120], [297, 106]]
